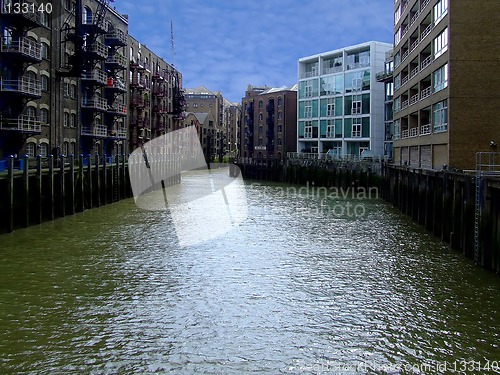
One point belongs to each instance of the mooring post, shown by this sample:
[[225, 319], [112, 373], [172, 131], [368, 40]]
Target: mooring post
[[51, 188], [81, 185], [89, 172], [63, 186], [98, 180], [10, 194], [72, 183], [39, 196], [26, 191]]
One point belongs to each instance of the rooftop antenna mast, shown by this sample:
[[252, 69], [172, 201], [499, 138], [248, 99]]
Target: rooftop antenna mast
[[172, 41]]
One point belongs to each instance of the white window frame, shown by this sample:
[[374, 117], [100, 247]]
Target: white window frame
[[308, 131], [440, 77], [330, 108], [440, 43], [308, 111], [440, 110], [308, 91], [30, 149], [66, 119], [356, 131], [356, 107], [440, 10]]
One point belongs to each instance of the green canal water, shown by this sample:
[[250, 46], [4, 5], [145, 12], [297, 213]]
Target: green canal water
[[300, 286]]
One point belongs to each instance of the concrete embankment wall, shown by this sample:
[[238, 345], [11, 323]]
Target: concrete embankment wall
[[443, 202], [34, 191]]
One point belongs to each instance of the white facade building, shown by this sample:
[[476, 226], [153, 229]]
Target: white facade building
[[340, 103]]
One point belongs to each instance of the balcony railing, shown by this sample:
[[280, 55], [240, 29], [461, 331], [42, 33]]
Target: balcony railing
[[424, 4], [120, 109], [404, 134], [33, 17], [426, 31], [24, 46], [24, 85], [414, 44], [119, 133], [100, 49], [95, 103], [404, 104], [414, 72], [24, 124], [405, 80], [334, 69], [117, 59], [413, 132], [405, 55], [95, 130], [309, 74], [95, 75], [116, 84], [414, 99], [357, 65], [426, 92], [427, 61], [117, 37], [425, 129]]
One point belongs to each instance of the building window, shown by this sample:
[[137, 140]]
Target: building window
[[66, 119], [261, 117], [280, 128], [280, 102], [31, 112], [44, 149], [72, 91], [44, 116], [308, 111], [66, 148], [308, 132], [356, 106], [72, 120], [397, 37], [44, 49], [280, 115], [397, 129], [397, 15], [441, 78], [261, 142], [45, 82], [280, 142], [195, 105], [260, 104], [30, 149], [308, 91], [356, 127], [330, 130], [440, 10], [440, 116], [72, 148], [441, 43]]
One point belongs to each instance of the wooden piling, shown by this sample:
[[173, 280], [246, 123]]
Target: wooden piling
[[10, 194], [39, 191]]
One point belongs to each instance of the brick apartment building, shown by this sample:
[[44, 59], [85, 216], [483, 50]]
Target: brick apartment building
[[65, 81], [269, 122], [446, 106]]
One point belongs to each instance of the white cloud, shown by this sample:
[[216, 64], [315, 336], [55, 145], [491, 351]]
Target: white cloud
[[224, 45]]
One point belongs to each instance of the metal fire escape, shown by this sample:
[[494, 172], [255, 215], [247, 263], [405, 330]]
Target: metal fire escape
[[487, 165], [82, 36]]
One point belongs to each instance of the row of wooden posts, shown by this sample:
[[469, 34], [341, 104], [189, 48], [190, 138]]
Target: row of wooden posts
[[58, 187], [443, 202]]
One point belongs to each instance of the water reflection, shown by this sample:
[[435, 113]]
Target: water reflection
[[289, 290]]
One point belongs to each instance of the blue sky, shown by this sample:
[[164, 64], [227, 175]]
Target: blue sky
[[227, 44]]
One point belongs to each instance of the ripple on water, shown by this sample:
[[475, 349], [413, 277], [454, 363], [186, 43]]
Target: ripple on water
[[291, 288]]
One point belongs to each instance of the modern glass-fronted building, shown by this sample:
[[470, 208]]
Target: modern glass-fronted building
[[340, 103]]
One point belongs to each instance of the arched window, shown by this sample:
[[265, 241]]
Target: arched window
[[44, 149], [44, 116], [87, 16], [31, 112], [66, 148], [45, 82], [280, 101], [260, 103]]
